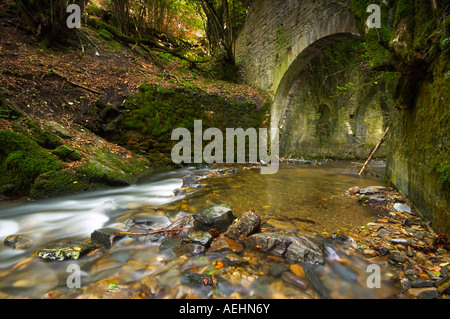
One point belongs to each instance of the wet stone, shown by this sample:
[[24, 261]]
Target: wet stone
[[443, 285], [245, 226], [383, 251], [316, 283], [277, 269], [106, 237], [345, 272], [197, 281], [223, 244], [17, 242], [190, 181], [65, 250], [293, 280], [397, 258], [429, 294], [120, 292], [150, 285], [189, 249], [214, 217], [298, 249], [421, 283], [199, 237], [233, 259]]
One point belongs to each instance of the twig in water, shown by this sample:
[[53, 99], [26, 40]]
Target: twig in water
[[152, 233]]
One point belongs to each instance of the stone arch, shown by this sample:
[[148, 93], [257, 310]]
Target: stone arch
[[288, 83]]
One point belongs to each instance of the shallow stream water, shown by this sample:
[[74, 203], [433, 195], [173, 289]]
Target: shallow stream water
[[302, 199]]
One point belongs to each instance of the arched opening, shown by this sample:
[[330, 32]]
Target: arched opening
[[336, 108]]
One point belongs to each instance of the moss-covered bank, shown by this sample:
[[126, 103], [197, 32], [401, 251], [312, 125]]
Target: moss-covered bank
[[35, 162], [144, 123]]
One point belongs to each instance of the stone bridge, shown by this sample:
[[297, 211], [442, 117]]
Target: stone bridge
[[279, 39]]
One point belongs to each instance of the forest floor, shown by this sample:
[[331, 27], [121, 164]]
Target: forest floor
[[59, 86], [64, 82]]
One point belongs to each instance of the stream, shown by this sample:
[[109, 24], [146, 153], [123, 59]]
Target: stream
[[302, 199]]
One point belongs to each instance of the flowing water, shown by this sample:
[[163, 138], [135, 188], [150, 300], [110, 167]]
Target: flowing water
[[306, 200]]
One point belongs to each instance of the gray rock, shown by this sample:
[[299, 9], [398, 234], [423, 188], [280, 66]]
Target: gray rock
[[293, 280], [429, 294], [189, 249], [344, 271], [214, 217], [383, 232], [106, 237], [233, 259], [402, 208], [299, 249], [190, 181], [17, 242], [277, 269], [316, 283], [421, 283], [399, 241], [246, 225], [397, 258], [199, 237]]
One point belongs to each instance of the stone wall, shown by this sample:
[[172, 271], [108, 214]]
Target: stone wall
[[418, 162], [340, 108], [281, 37]]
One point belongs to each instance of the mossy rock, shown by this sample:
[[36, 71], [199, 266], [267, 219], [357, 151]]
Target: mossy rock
[[22, 160], [67, 153], [57, 183], [105, 34]]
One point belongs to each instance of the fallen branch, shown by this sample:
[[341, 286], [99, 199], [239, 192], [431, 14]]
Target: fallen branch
[[75, 84], [151, 233], [374, 151]]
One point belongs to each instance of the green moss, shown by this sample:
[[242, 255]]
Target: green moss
[[105, 34], [47, 139], [67, 153], [405, 10], [21, 162], [444, 175], [57, 183]]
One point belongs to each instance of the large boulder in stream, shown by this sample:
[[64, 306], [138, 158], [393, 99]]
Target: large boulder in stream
[[214, 217], [296, 248]]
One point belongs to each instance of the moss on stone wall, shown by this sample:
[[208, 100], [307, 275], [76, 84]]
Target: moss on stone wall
[[419, 138], [339, 108]]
